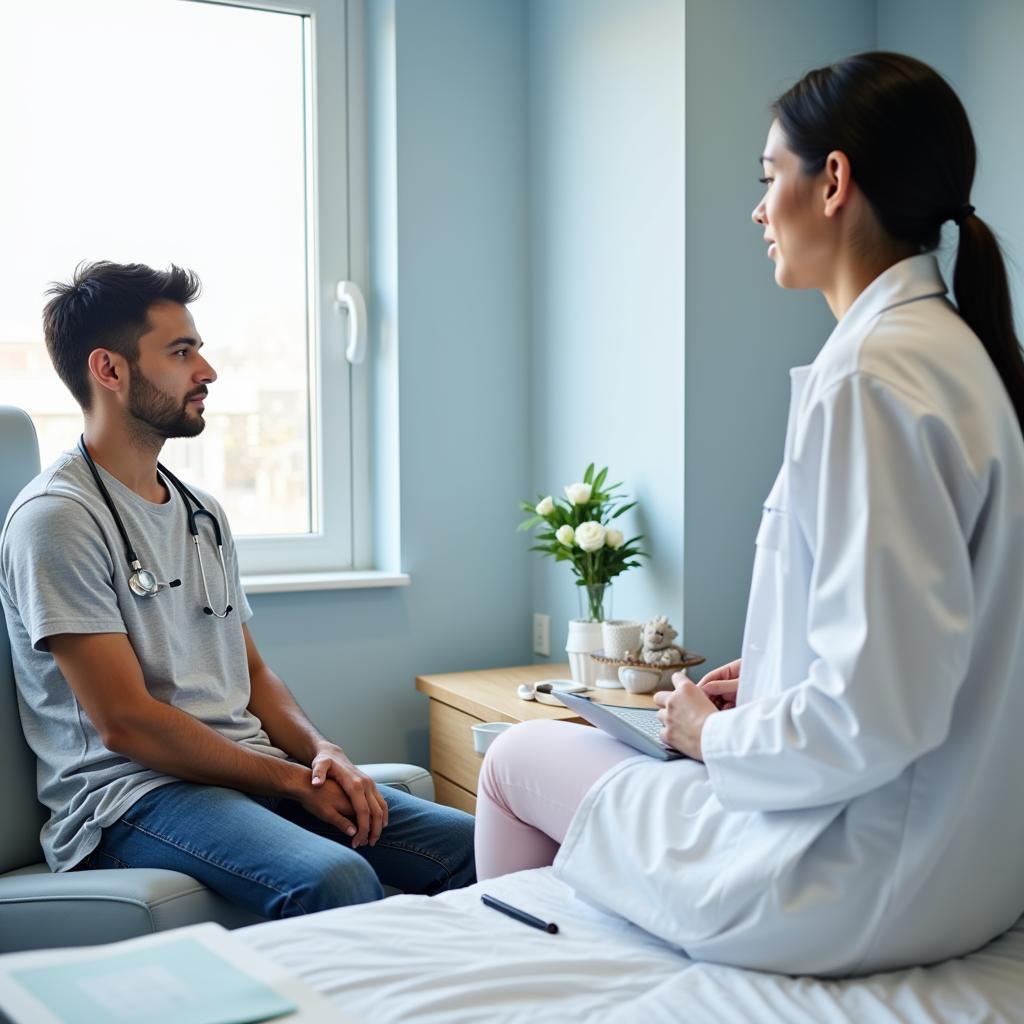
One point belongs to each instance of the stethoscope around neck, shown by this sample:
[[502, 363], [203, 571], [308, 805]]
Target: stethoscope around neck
[[142, 582]]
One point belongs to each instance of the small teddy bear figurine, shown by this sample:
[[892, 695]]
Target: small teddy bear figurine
[[658, 648]]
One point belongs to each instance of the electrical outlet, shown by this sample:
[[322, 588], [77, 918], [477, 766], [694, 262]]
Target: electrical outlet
[[541, 634]]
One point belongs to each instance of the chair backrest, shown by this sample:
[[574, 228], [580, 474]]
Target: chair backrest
[[20, 812]]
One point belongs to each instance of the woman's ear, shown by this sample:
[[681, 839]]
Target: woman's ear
[[838, 182], [108, 369]]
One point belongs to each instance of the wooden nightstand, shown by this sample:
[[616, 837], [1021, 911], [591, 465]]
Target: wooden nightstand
[[460, 700]]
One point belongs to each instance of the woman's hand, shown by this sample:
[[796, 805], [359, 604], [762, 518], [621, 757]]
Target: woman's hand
[[720, 685], [683, 714]]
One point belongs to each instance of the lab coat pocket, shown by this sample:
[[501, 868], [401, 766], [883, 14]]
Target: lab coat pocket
[[773, 540], [771, 533], [766, 608]]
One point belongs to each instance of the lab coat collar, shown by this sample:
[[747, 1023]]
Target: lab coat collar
[[916, 277]]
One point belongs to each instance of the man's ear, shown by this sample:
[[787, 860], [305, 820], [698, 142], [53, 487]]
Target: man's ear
[[838, 184], [108, 369]]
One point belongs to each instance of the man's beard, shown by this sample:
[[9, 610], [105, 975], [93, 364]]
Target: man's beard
[[158, 413]]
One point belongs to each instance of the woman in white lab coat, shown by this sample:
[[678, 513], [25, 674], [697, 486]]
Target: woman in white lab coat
[[852, 798]]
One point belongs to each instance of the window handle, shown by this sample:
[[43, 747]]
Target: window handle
[[350, 297]]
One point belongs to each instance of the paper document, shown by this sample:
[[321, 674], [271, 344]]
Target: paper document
[[195, 975]]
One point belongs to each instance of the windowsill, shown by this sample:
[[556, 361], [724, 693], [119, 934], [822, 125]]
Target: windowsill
[[285, 582]]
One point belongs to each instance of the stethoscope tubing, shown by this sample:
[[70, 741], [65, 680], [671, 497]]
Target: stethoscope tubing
[[188, 498], [129, 550]]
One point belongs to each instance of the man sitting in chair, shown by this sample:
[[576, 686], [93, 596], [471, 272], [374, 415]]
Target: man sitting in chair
[[163, 738]]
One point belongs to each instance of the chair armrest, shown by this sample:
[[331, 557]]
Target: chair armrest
[[81, 908], [408, 777]]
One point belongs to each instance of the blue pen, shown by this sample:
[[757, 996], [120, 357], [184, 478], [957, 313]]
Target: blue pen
[[519, 915]]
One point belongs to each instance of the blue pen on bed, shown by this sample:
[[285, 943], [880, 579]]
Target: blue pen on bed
[[519, 915]]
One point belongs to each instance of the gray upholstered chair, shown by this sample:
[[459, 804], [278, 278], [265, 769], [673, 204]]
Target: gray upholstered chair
[[41, 909]]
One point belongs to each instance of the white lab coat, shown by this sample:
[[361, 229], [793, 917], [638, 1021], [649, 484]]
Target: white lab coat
[[861, 808]]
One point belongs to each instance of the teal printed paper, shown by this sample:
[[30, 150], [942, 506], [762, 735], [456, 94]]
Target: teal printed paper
[[178, 982]]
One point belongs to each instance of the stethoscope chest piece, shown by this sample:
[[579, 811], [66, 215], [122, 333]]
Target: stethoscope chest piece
[[143, 583]]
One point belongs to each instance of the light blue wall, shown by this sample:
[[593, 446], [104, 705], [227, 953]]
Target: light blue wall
[[455, 72], [606, 176], [977, 47], [742, 331], [686, 401]]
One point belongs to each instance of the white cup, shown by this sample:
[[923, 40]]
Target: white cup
[[621, 638], [583, 638], [583, 668], [636, 679], [486, 733]]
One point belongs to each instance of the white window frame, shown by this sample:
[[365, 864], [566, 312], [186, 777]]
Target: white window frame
[[338, 552]]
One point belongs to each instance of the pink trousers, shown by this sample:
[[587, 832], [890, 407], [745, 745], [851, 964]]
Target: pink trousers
[[533, 779]]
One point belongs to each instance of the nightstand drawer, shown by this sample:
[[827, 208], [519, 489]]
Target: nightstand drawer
[[450, 795], [451, 745]]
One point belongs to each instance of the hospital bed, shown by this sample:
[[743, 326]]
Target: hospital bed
[[451, 960]]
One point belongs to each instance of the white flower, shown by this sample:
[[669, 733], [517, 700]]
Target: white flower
[[590, 536], [614, 539], [565, 535], [578, 494], [546, 507]]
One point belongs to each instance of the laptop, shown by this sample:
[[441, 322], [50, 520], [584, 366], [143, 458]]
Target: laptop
[[639, 727]]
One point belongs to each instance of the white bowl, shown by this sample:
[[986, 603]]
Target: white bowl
[[640, 678], [486, 733]]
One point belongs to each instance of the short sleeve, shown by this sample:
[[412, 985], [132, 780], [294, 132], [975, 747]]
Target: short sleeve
[[59, 571]]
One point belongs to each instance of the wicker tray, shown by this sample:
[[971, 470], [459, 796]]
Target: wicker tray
[[689, 660]]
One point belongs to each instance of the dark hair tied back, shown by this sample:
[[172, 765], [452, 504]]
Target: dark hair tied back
[[911, 151], [962, 214]]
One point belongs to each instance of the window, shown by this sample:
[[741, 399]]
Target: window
[[214, 136]]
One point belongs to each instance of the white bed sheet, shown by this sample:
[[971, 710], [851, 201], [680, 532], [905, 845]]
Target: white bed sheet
[[451, 960]]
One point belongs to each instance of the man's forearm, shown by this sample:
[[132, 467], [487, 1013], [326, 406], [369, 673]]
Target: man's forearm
[[284, 721], [165, 739]]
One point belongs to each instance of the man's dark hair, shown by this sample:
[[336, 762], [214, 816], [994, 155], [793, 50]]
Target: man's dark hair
[[105, 306]]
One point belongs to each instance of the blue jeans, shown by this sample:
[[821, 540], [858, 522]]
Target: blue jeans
[[273, 857]]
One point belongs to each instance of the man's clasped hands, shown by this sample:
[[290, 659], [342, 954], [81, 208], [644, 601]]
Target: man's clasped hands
[[346, 797]]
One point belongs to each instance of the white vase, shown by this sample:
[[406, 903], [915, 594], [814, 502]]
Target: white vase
[[584, 637]]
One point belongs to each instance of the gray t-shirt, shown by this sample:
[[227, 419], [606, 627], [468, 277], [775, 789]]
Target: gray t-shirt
[[63, 570]]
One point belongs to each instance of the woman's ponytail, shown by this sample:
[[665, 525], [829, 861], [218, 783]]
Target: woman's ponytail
[[983, 299]]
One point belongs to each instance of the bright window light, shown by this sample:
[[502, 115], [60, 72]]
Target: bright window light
[[161, 131]]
